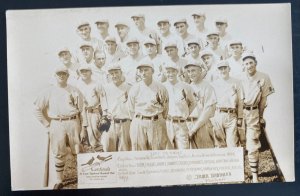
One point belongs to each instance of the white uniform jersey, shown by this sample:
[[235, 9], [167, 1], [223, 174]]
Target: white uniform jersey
[[236, 67], [181, 99], [100, 75], [129, 68], [158, 63], [201, 35], [114, 58], [183, 47], [219, 53]]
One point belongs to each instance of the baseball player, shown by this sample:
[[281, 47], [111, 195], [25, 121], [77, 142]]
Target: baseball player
[[209, 61], [112, 51], [93, 103], [221, 25], [181, 104], [200, 30], [59, 109], [200, 128], [148, 106], [123, 33], [181, 26], [213, 45], [157, 59], [116, 95], [84, 31], [145, 32], [235, 61], [102, 26], [130, 62], [257, 87], [99, 69], [87, 54], [172, 51], [229, 107]]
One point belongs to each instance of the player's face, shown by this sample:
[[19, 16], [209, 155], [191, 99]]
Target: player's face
[[194, 49], [221, 26], [172, 51], [102, 27], [213, 40], [171, 74], [194, 73], [87, 51], [115, 75], [138, 21], [84, 31], [164, 27], [111, 47], [145, 73], [122, 31], [208, 59], [236, 49], [85, 74], [199, 20], [224, 72], [181, 28], [99, 59], [62, 77], [65, 57], [250, 66], [150, 49], [133, 48]]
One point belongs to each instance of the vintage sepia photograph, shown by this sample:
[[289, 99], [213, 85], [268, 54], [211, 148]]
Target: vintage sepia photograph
[[150, 96]]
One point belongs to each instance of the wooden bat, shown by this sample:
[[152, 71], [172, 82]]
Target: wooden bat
[[46, 170]]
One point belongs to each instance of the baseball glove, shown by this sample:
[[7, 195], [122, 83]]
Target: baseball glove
[[104, 124]]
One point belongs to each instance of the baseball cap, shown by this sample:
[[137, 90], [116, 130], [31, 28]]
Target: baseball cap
[[85, 67], [110, 39], [138, 16], [114, 67], [221, 20], [82, 23], [145, 63], [182, 20], [193, 41], [222, 63], [121, 23], [171, 64], [212, 33], [64, 49], [85, 44], [248, 54], [205, 52], [61, 68], [193, 62], [101, 21], [132, 40], [170, 45], [149, 41], [163, 20], [199, 14], [235, 42]]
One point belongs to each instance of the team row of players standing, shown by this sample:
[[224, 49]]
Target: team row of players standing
[[159, 91]]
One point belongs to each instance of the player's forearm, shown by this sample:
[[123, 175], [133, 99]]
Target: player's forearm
[[262, 106], [240, 109], [207, 113], [41, 118]]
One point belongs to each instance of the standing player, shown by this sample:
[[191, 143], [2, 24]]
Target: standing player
[[148, 107], [200, 128], [87, 54], [112, 51], [235, 61], [200, 29], [92, 92], [257, 86], [229, 111], [181, 104], [209, 61], [123, 33], [116, 95], [59, 109], [214, 45], [102, 26], [99, 68]]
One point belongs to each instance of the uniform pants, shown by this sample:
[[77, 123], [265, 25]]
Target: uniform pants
[[62, 134], [204, 137], [148, 134], [225, 128], [178, 134], [93, 134], [117, 138]]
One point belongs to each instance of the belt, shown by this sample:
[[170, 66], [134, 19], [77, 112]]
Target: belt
[[176, 120], [147, 117], [191, 119], [226, 110], [65, 118], [120, 120], [93, 110], [250, 107]]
